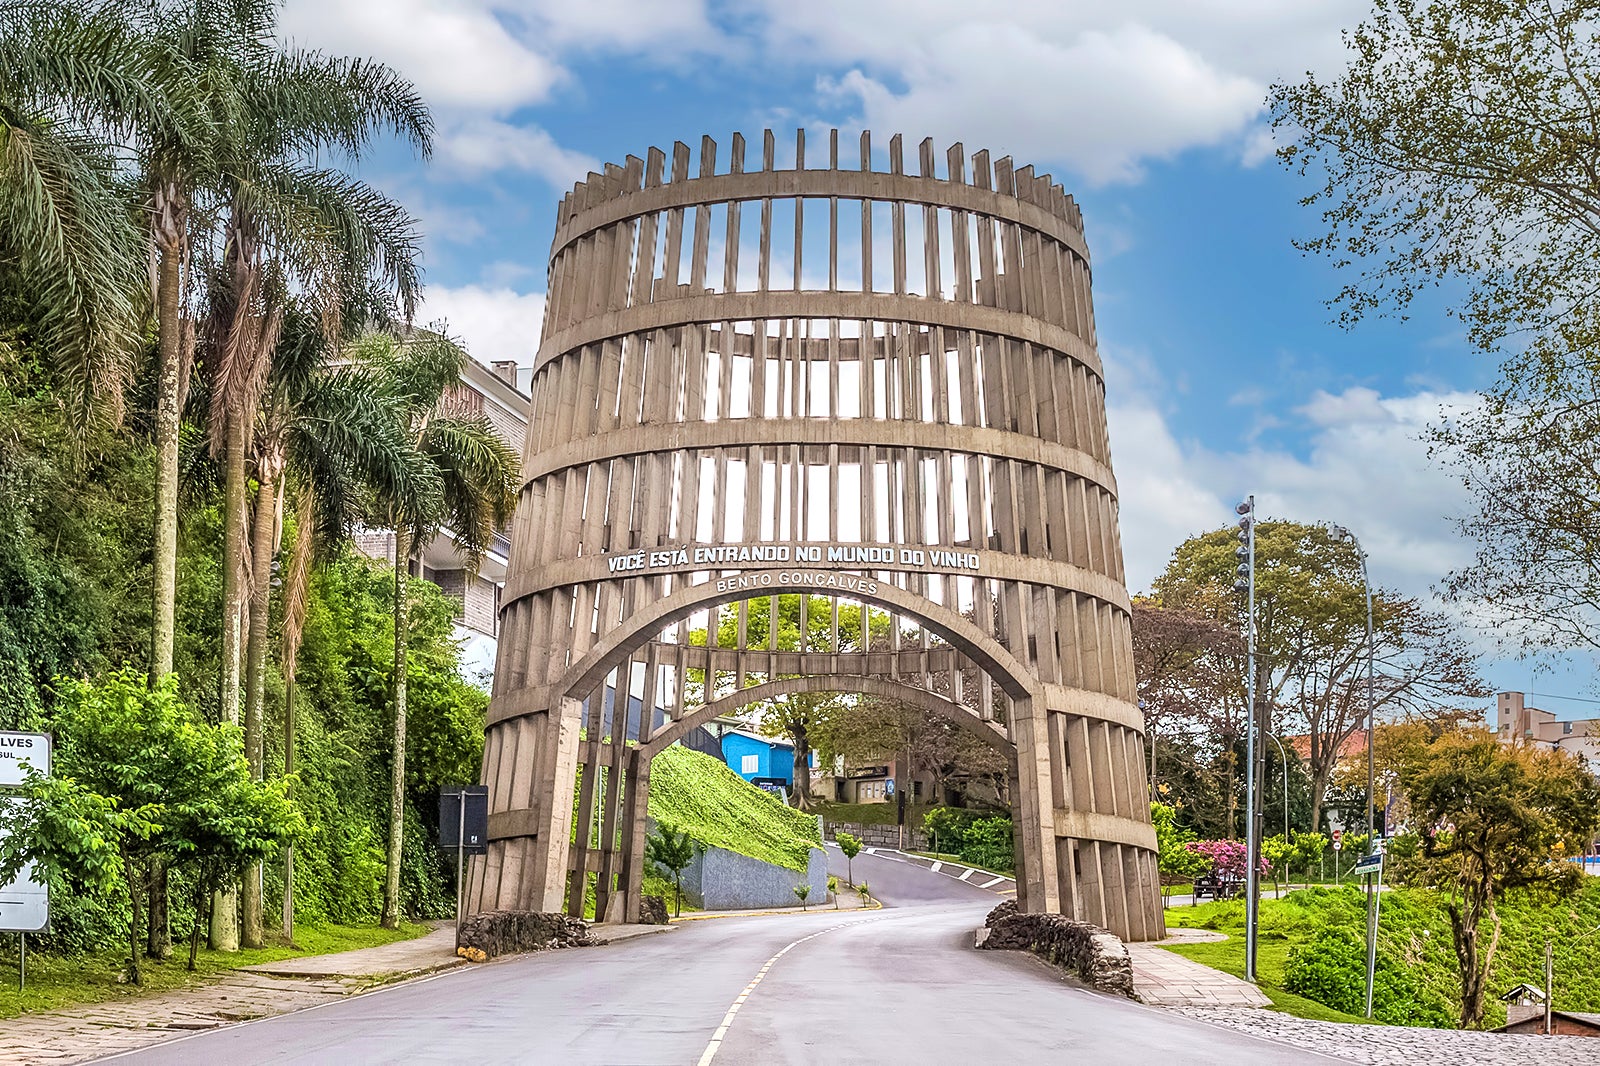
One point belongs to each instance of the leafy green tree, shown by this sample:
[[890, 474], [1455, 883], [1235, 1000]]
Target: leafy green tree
[[463, 482], [1175, 860], [849, 847], [1311, 640], [138, 777], [864, 890], [1452, 152], [833, 890], [804, 718], [802, 892], [673, 851], [1494, 817]]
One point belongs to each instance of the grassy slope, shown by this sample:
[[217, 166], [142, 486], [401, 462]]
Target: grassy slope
[[55, 981], [692, 791], [1414, 932]]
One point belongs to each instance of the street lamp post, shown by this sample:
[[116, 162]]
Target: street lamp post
[[1372, 890], [1285, 757], [1246, 582]]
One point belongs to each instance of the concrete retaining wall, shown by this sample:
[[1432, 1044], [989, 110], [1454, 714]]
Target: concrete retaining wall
[[721, 880]]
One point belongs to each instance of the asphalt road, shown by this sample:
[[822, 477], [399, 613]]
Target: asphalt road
[[898, 985]]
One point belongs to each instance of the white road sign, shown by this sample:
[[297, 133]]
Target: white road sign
[[18, 751], [24, 901]]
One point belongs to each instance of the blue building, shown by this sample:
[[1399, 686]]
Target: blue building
[[759, 760]]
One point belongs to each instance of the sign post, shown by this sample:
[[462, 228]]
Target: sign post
[[1372, 866], [463, 827], [24, 901]]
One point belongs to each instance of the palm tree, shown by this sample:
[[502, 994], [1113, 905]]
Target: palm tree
[[466, 487], [290, 224], [67, 233], [328, 438]]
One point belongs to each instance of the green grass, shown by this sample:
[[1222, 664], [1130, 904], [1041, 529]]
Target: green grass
[[692, 791], [1228, 956], [59, 981]]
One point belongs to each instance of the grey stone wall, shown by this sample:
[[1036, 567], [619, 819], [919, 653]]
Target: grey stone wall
[[1098, 957], [721, 880], [879, 836]]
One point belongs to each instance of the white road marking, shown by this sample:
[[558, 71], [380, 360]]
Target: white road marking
[[966, 875], [991, 884], [870, 851], [937, 866], [739, 1000]]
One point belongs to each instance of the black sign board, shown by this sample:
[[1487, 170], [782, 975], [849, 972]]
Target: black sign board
[[464, 819]]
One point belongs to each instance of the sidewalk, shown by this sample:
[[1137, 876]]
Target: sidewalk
[[95, 1030], [1165, 979]]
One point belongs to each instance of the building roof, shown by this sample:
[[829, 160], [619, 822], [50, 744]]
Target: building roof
[[1354, 744], [773, 742]]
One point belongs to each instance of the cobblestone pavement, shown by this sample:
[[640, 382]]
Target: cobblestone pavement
[[1391, 1045]]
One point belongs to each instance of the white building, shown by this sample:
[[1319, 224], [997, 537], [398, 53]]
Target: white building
[[1517, 723], [491, 391]]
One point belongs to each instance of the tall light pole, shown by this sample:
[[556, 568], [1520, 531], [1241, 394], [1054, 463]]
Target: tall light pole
[[1372, 841], [1245, 581], [1285, 757]]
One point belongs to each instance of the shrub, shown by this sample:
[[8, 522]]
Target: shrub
[[1332, 969], [987, 842], [947, 828]]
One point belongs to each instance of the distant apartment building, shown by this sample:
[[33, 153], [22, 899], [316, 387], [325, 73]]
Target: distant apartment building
[[1518, 723], [494, 392]]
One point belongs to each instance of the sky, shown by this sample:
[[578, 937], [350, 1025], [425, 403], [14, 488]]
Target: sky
[[1225, 371]]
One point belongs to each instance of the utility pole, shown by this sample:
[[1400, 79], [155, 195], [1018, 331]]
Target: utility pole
[[1549, 980], [1246, 582]]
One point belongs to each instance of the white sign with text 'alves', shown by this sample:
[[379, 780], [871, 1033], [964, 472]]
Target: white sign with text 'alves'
[[24, 901]]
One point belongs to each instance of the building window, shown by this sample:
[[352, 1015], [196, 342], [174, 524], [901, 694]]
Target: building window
[[750, 764]]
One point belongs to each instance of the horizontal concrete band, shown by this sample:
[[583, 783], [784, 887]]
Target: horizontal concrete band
[[1106, 828], [706, 309], [845, 184], [741, 433], [995, 566], [514, 703], [522, 822]]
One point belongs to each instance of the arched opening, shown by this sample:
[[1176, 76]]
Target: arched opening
[[621, 722]]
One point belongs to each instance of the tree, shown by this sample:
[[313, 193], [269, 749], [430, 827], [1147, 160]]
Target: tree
[[1493, 817], [463, 482], [138, 778], [1454, 150], [849, 847], [1175, 860], [801, 892], [1186, 664], [673, 851], [1311, 639], [833, 890], [65, 224], [805, 718], [864, 890]]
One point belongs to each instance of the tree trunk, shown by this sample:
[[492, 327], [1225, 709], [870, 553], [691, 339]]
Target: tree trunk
[[802, 768], [224, 917], [263, 536], [130, 873], [295, 592], [164, 522], [164, 549], [397, 787], [158, 941]]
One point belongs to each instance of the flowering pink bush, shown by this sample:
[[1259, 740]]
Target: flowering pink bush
[[1227, 857]]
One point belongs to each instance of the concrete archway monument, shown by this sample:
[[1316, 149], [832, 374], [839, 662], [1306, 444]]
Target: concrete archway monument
[[837, 380]]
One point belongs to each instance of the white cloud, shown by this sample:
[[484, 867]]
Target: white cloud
[[1099, 87], [459, 52], [486, 144], [493, 323], [1365, 466], [1100, 103]]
